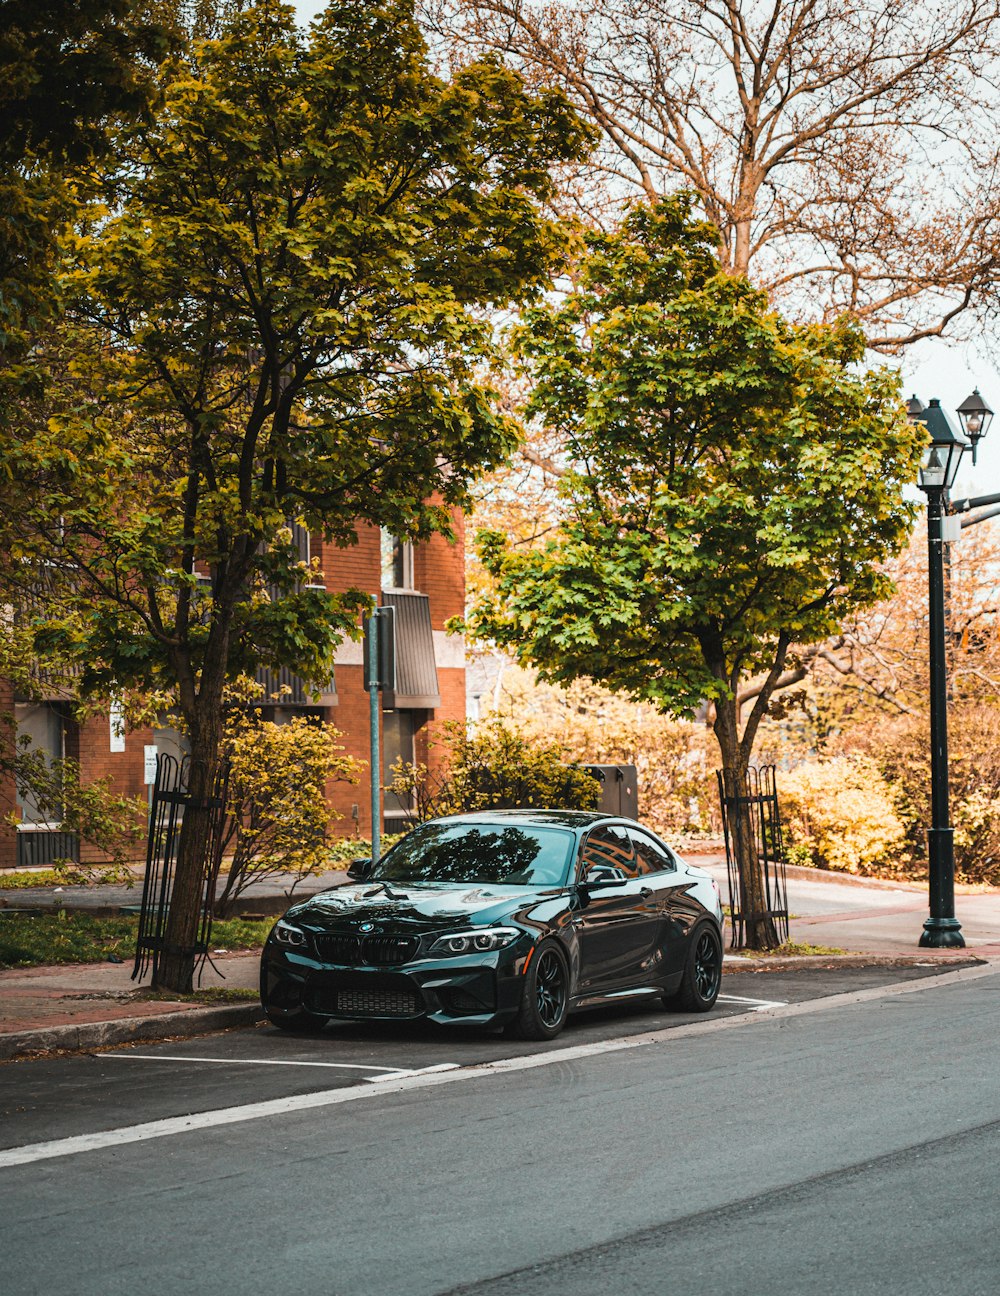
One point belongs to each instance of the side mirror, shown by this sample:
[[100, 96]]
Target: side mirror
[[601, 876], [359, 869], [599, 883], [586, 887]]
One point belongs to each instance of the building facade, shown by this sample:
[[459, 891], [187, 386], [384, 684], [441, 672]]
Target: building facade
[[424, 583]]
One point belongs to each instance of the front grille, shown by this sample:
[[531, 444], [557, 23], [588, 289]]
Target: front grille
[[365, 1002], [389, 949], [352, 951], [338, 949], [376, 1003]]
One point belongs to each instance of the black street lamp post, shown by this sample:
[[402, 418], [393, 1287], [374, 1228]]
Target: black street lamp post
[[941, 460]]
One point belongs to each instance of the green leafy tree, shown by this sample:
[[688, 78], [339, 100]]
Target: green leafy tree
[[68, 70], [277, 319], [737, 486]]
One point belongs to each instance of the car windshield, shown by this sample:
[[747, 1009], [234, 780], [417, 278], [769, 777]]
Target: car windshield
[[469, 852]]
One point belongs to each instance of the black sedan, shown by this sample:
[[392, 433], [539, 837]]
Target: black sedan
[[505, 918]]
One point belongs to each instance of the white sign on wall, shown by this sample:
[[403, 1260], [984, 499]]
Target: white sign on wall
[[149, 764], [116, 717]]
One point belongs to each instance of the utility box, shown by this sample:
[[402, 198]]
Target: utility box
[[619, 789]]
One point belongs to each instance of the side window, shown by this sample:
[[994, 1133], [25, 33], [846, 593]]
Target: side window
[[397, 562], [607, 853], [650, 856]]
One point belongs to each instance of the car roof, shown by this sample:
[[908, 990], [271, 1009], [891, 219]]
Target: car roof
[[573, 819]]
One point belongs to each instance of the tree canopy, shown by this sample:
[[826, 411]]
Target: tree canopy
[[736, 488], [275, 319], [69, 69]]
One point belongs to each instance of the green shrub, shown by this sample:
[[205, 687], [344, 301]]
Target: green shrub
[[490, 766], [93, 811], [675, 759]]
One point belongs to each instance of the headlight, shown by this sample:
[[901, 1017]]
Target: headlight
[[474, 942], [285, 934]]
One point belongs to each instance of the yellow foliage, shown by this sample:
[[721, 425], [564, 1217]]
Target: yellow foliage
[[279, 815], [838, 814]]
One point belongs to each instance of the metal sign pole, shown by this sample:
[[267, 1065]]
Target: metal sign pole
[[375, 765]]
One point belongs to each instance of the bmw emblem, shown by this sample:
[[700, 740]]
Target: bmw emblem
[[367, 927]]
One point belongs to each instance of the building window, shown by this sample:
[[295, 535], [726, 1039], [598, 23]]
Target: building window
[[43, 723], [397, 562], [399, 733]]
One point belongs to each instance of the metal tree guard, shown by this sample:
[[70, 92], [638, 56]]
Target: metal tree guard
[[753, 807], [166, 816]]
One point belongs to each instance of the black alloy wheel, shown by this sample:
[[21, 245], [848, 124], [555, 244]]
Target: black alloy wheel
[[702, 977], [545, 1001]]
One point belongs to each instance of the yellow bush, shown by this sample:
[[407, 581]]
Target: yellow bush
[[279, 814], [838, 814]]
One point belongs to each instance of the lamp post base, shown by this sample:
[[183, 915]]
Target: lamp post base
[[942, 933]]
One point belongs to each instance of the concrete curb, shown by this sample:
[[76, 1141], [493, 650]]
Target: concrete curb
[[763, 962], [189, 1021]]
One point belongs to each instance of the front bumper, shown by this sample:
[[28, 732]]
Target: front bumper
[[474, 990]]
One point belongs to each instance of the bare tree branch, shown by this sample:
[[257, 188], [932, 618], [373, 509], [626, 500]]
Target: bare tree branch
[[806, 127]]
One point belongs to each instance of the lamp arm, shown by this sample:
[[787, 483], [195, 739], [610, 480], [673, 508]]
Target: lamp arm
[[978, 501], [982, 517]]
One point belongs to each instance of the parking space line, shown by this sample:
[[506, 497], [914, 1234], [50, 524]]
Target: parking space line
[[387, 1073], [178, 1057], [420, 1071], [759, 1005]]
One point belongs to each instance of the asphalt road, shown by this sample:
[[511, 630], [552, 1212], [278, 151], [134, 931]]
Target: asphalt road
[[845, 1141]]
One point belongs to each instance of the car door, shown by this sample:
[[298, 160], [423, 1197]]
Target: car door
[[615, 927], [665, 897]]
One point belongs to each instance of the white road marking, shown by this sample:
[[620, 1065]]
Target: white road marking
[[178, 1057], [420, 1071], [390, 1073], [397, 1084], [759, 1005]]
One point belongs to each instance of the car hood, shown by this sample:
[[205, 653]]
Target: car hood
[[346, 907]]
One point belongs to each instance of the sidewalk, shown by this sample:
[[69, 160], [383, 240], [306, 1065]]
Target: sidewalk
[[94, 1005]]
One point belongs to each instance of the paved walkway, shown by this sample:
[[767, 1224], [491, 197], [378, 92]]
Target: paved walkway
[[96, 1004]]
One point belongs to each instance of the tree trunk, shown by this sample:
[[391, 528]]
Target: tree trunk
[[195, 858], [759, 928]]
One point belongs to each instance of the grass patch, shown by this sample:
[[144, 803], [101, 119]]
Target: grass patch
[[19, 880], [239, 933], [210, 995], [27, 941], [790, 948]]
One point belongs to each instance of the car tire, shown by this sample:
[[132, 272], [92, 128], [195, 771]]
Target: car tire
[[297, 1023], [702, 977], [545, 997]]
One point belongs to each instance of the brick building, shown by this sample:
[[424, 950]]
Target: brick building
[[426, 585]]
